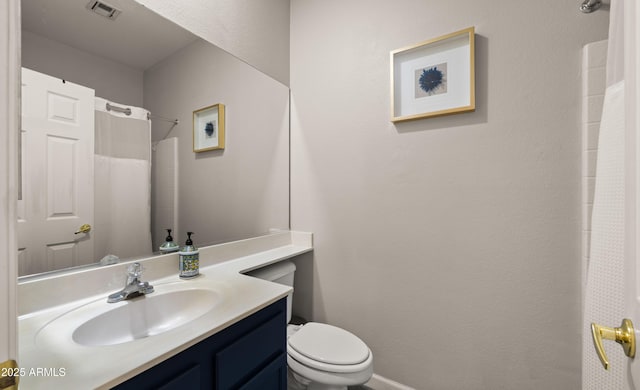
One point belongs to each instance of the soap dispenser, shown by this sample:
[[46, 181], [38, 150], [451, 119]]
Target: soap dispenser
[[189, 259], [168, 246]]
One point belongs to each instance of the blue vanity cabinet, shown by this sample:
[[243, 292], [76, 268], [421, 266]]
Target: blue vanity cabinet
[[248, 355]]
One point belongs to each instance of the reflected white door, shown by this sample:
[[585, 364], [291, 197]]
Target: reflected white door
[[57, 160]]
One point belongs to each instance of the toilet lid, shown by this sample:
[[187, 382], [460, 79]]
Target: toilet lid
[[329, 344]]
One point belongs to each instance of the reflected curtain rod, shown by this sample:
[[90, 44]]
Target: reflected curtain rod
[[127, 111], [588, 6]]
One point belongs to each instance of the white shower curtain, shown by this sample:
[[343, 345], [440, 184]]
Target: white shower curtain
[[122, 220], [604, 297]]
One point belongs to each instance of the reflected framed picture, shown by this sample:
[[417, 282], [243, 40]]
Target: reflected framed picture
[[208, 128], [434, 77]]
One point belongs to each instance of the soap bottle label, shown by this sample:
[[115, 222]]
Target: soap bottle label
[[189, 265]]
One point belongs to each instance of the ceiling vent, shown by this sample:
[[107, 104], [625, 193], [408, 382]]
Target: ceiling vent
[[103, 9]]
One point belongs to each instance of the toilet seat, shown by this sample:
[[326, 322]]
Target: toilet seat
[[328, 348]]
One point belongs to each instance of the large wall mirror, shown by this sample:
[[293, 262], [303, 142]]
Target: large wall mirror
[[135, 81]]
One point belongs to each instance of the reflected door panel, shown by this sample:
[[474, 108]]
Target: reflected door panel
[[57, 160]]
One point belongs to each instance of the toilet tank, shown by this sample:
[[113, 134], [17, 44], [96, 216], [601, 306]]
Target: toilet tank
[[281, 272]]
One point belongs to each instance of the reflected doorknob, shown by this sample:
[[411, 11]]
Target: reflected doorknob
[[86, 228], [624, 335]]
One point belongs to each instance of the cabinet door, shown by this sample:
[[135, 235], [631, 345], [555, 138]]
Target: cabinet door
[[273, 376], [249, 355], [189, 379], [188, 370]]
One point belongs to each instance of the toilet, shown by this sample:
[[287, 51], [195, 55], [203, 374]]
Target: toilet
[[320, 356]]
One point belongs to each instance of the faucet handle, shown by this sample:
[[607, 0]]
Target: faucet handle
[[135, 270]]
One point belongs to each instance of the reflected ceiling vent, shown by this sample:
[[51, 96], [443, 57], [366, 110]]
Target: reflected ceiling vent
[[103, 9]]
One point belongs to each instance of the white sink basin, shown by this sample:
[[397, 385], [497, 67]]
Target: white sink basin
[[145, 316], [100, 323]]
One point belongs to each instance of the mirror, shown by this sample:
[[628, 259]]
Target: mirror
[[141, 60]]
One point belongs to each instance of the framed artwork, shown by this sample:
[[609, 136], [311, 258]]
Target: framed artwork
[[208, 128], [434, 77]]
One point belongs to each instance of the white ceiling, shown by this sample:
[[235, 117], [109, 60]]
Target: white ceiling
[[137, 37]]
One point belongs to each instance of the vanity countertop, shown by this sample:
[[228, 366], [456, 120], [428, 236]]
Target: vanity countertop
[[59, 362]]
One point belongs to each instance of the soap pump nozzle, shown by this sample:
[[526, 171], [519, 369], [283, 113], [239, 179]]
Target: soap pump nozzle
[[168, 245]]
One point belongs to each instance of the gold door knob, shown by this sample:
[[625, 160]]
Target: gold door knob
[[10, 375], [86, 228], [624, 335]]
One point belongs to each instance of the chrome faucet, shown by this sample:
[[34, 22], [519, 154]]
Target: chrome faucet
[[134, 287]]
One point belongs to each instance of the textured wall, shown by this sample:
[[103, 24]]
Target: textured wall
[[243, 190], [255, 31], [111, 80], [450, 245]]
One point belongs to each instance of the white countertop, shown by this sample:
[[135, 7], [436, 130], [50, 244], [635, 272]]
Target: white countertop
[[58, 362]]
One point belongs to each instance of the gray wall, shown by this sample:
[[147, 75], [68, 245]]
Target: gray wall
[[243, 190], [111, 80], [450, 245], [253, 30]]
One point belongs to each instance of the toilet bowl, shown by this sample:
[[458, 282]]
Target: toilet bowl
[[320, 356], [323, 356]]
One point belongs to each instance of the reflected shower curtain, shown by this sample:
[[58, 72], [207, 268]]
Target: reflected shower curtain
[[122, 220], [604, 296]]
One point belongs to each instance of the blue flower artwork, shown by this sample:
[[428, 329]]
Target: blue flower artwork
[[431, 80], [209, 129]]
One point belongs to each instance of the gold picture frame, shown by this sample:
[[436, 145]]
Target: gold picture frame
[[434, 78], [208, 128]]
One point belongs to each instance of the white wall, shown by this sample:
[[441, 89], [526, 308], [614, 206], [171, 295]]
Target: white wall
[[450, 245], [243, 190], [255, 31], [111, 80]]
